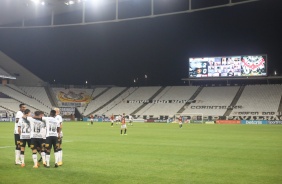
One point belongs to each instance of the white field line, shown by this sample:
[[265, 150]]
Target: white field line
[[1, 147]]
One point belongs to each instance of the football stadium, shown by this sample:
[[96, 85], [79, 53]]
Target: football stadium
[[105, 92]]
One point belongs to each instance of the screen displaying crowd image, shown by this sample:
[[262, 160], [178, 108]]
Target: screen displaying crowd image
[[230, 66]]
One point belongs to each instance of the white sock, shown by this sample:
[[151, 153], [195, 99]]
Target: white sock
[[16, 160], [22, 159], [43, 155], [34, 158], [17, 153], [47, 160], [61, 156], [56, 157]]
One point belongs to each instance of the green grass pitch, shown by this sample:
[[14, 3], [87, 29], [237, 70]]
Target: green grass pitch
[[154, 153]]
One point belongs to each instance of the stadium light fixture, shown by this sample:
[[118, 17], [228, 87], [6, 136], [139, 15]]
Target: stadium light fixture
[[96, 2], [37, 2], [71, 2]]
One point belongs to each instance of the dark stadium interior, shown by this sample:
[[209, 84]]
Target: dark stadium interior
[[118, 53]]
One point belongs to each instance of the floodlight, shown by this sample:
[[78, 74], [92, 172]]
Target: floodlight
[[35, 1], [95, 1], [69, 2]]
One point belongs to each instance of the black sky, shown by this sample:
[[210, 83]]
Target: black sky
[[117, 53]]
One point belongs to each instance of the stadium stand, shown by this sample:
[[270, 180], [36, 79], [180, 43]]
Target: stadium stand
[[213, 96], [139, 93], [95, 94], [178, 93], [12, 105], [22, 86], [260, 98], [38, 93], [116, 101], [19, 96], [101, 100]]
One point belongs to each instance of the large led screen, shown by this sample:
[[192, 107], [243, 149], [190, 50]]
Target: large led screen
[[228, 66]]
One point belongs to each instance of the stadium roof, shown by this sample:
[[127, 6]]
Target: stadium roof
[[5, 75], [10, 69], [15, 13]]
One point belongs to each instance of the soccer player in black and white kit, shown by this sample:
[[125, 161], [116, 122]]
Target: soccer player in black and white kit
[[16, 134], [52, 135], [37, 133], [60, 140], [24, 132]]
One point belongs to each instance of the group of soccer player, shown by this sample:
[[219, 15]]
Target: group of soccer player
[[41, 134], [121, 119]]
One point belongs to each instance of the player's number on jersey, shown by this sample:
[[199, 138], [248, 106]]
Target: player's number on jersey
[[52, 127], [36, 128]]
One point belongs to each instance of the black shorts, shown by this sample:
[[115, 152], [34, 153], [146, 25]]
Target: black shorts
[[43, 144], [36, 143], [24, 141], [51, 141], [17, 139]]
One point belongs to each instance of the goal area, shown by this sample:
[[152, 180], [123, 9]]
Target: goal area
[[189, 117]]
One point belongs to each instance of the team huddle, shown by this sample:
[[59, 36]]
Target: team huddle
[[41, 134]]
